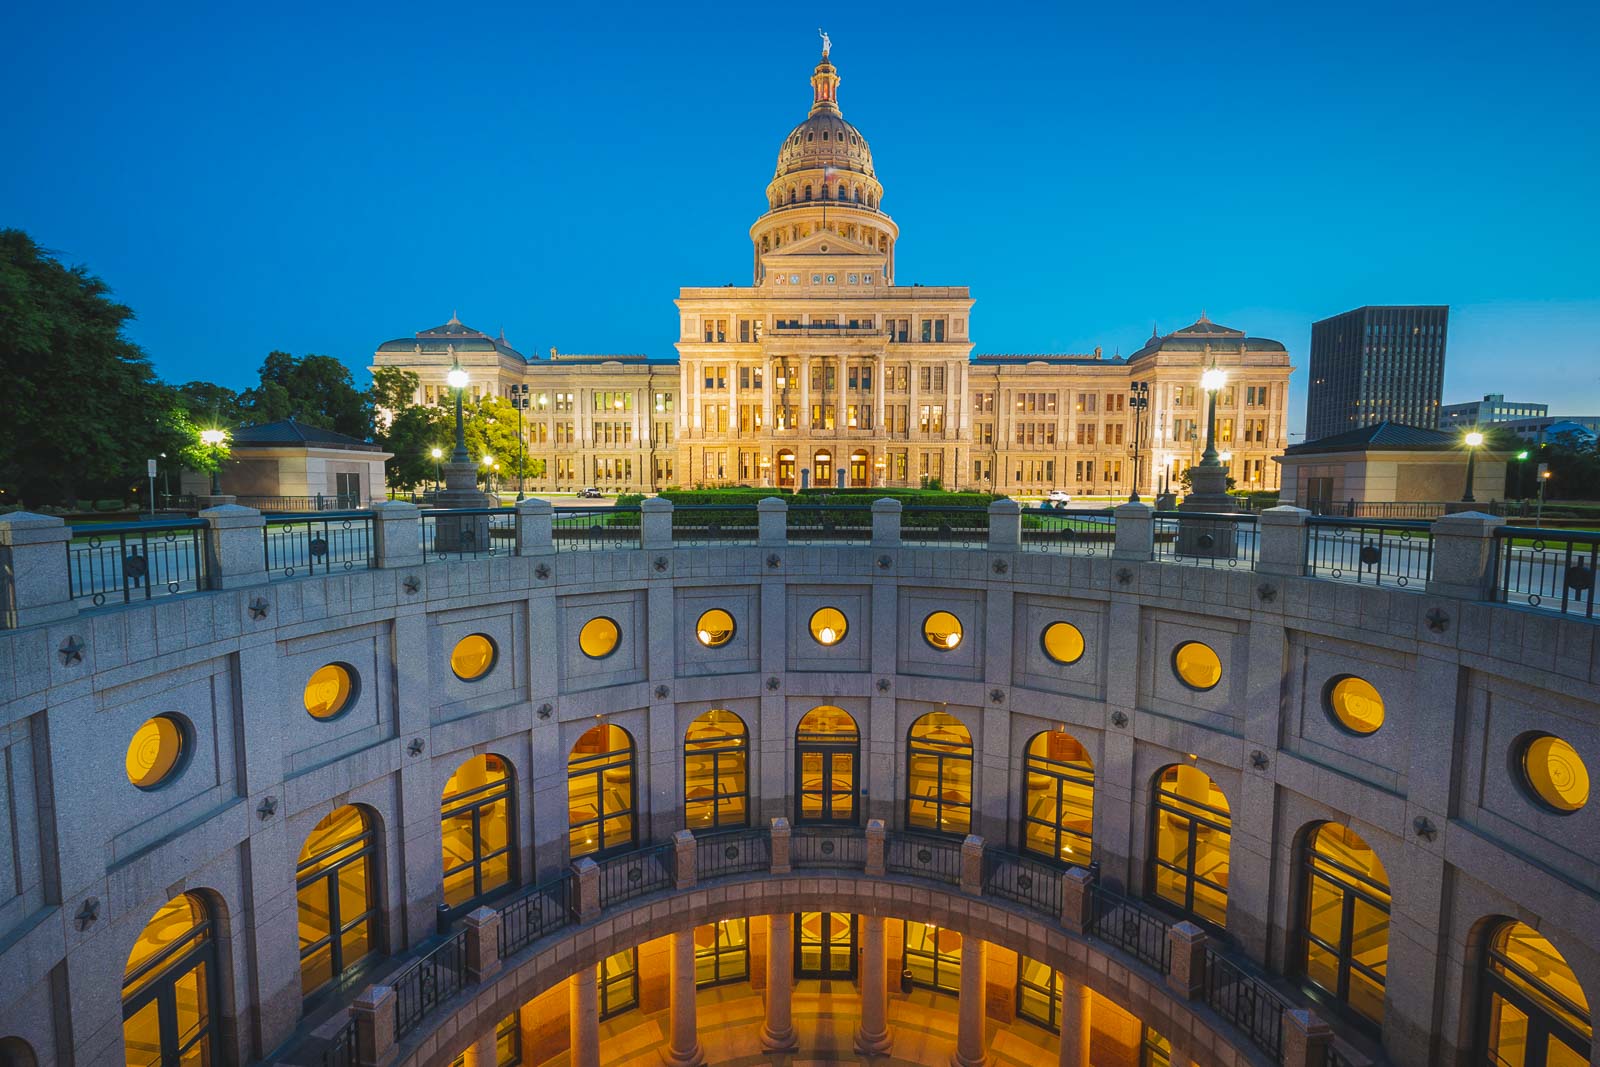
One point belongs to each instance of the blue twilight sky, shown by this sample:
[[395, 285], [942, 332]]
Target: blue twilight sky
[[321, 178]]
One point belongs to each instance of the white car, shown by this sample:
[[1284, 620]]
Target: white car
[[1059, 496]]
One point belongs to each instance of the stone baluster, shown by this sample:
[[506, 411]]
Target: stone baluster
[[396, 534], [1186, 976], [1005, 525], [876, 839], [587, 873], [655, 523], [483, 943], [373, 1011], [1135, 533], [33, 570], [772, 522], [972, 865], [886, 523], [535, 527], [1077, 899], [684, 868], [1463, 555], [234, 554], [780, 845], [1305, 1038], [1283, 533]]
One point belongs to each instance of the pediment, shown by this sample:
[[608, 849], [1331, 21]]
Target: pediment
[[825, 243]]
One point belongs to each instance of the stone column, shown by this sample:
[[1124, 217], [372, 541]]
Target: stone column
[[1282, 549], [1463, 555], [481, 1053], [805, 410], [886, 523], [777, 1033], [878, 387], [655, 523], [683, 1040], [971, 1015], [535, 527], [1005, 524], [872, 1036], [772, 518], [397, 534], [1074, 1022], [33, 570], [583, 1019], [234, 556], [1135, 532]]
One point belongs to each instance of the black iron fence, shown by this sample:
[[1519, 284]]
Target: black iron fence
[[468, 533], [714, 524], [1206, 539], [810, 524], [732, 852], [429, 982], [1246, 1001], [344, 1048], [931, 524], [1550, 569], [1136, 930], [580, 528], [633, 874], [126, 561], [316, 502], [319, 544], [1073, 533], [1350, 550], [924, 856], [536, 912], [1022, 879], [839, 847]]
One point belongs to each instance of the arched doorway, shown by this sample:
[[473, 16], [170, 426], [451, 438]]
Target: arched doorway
[[716, 787], [939, 775], [1534, 1013], [1058, 799], [169, 987], [858, 468], [476, 815], [1192, 829], [785, 469], [822, 467], [1344, 921], [600, 793], [827, 753], [338, 901]]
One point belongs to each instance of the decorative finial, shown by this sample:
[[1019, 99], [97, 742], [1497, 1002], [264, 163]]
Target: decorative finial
[[1155, 334], [827, 42], [1203, 315], [453, 320]]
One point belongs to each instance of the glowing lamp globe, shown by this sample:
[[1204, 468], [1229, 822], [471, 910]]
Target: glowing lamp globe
[[1212, 380], [1474, 439], [457, 378], [213, 438]]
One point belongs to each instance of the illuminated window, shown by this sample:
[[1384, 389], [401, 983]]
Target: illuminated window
[[828, 626], [158, 751], [1039, 990], [337, 902], [479, 831], [600, 817], [1196, 665], [722, 952], [507, 1044], [617, 978], [1344, 931], [598, 638], [933, 956], [827, 753], [1535, 1012], [825, 944], [169, 988], [473, 657], [714, 628], [1062, 642], [1192, 828], [1058, 806], [1154, 1049], [716, 787], [1354, 704], [942, 631], [1553, 773], [330, 690], [939, 780]]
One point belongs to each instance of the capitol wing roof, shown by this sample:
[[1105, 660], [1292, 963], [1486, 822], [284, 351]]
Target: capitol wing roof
[[1196, 336]]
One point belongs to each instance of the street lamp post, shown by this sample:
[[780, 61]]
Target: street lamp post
[[519, 400], [438, 454], [1211, 381], [1138, 400], [1472, 440], [213, 440]]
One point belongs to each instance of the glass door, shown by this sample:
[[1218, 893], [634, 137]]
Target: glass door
[[825, 945]]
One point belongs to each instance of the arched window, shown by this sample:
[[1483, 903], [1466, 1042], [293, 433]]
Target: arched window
[[1191, 828], [716, 787], [822, 468], [939, 778], [477, 815], [600, 793], [808, 192], [338, 902], [824, 193], [858, 194], [1058, 798], [1344, 920], [827, 751], [1534, 1011], [169, 987]]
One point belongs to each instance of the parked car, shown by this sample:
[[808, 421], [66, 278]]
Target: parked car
[[591, 493], [1059, 496]]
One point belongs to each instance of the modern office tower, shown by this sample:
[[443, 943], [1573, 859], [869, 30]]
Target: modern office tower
[[1376, 364], [1494, 407]]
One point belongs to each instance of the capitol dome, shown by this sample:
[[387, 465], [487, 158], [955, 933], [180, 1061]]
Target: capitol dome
[[824, 139]]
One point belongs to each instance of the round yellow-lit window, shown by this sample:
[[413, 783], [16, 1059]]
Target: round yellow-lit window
[[1355, 704], [1196, 665], [714, 629], [828, 626], [598, 638], [1063, 642], [157, 751], [942, 630], [473, 657], [1555, 773], [330, 690]]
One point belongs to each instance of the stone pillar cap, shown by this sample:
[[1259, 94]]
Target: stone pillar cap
[[30, 519], [233, 515], [655, 503], [1283, 515], [533, 503], [1004, 505], [1139, 509], [1469, 520], [772, 503], [884, 503], [399, 509]]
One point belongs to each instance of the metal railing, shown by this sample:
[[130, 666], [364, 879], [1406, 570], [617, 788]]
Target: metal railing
[[1206, 539], [1377, 553], [633, 874], [732, 852], [931, 524], [536, 912], [317, 502], [924, 856], [344, 1048], [429, 982], [1022, 879], [581, 528], [810, 524], [1136, 930], [839, 847], [714, 524], [313, 544], [128, 561], [1550, 569], [1073, 533], [1246, 1001], [468, 533]]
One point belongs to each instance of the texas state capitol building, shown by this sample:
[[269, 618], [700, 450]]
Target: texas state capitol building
[[824, 369]]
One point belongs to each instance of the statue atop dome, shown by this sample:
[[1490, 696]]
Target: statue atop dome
[[827, 42]]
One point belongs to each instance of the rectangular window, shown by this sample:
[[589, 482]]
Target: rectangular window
[[663, 403], [822, 416], [722, 953], [931, 419], [1039, 989], [617, 978], [716, 329]]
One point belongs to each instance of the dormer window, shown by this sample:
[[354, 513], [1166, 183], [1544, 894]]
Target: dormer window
[[824, 135], [809, 137]]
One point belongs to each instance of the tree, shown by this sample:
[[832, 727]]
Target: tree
[[1574, 461], [411, 436], [83, 406], [315, 390], [209, 404], [491, 429]]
